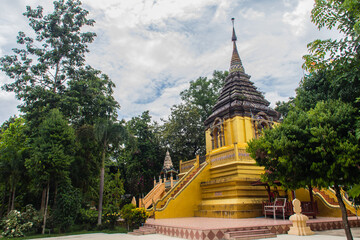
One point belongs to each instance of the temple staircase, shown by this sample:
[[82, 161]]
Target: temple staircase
[[144, 230], [179, 186], [250, 234], [329, 198], [155, 194]]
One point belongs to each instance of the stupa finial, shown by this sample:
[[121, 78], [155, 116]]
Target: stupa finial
[[233, 34], [235, 64]]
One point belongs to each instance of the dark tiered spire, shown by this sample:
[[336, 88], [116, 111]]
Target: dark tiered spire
[[236, 64], [239, 96]]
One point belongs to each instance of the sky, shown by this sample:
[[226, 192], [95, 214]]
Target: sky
[[152, 49]]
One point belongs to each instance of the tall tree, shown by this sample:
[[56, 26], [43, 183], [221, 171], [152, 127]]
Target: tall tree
[[344, 15], [91, 96], [203, 92], [43, 67], [52, 150], [143, 156], [49, 72], [109, 135], [85, 168], [13, 147], [183, 132]]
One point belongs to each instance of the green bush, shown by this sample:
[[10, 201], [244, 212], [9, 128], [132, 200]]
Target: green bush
[[139, 216], [133, 217], [126, 214], [110, 219], [68, 202], [88, 217], [32, 215], [15, 225]]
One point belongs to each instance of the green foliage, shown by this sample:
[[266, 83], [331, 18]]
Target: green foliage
[[133, 216], [43, 67], [340, 82], [344, 15], [90, 98], [126, 213], [88, 217], [32, 215], [113, 190], [52, 149], [183, 131], [59, 94], [84, 170], [68, 203], [109, 135], [142, 157], [13, 151], [316, 147], [110, 219], [15, 225], [284, 107], [139, 216], [203, 92]]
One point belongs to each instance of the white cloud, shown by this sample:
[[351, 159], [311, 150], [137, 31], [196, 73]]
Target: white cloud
[[252, 14], [152, 49], [299, 18]]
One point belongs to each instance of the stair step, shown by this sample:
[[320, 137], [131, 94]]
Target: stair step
[[257, 236], [147, 228], [144, 230], [247, 232]]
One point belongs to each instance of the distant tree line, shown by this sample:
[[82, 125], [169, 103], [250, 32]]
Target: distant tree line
[[68, 154]]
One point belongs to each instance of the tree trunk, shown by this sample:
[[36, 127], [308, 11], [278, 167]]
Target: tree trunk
[[3, 202], [268, 192], [312, 200], [13, 198], [9, 202], [55, 194], [343, 213], [46, 207], [43, 197], [101, 189]]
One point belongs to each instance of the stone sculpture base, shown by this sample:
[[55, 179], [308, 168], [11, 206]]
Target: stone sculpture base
[[299, 221]]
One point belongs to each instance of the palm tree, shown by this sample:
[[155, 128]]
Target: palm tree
[[109, 134]]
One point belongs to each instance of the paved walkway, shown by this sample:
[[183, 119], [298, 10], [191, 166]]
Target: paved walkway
[[213, 223], [203, 223], [324, 235]]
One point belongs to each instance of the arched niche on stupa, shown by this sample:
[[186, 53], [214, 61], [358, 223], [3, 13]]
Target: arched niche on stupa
[[261, 121], [217, 133]]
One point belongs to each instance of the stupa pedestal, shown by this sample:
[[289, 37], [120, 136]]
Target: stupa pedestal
[[299, 221]]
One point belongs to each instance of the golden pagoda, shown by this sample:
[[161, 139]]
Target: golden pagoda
[[221, 184], [239, 115]]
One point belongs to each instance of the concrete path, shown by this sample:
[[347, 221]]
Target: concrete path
[[324, 235]]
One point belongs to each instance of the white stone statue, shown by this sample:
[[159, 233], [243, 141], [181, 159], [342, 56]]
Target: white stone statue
[[299, 221]]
